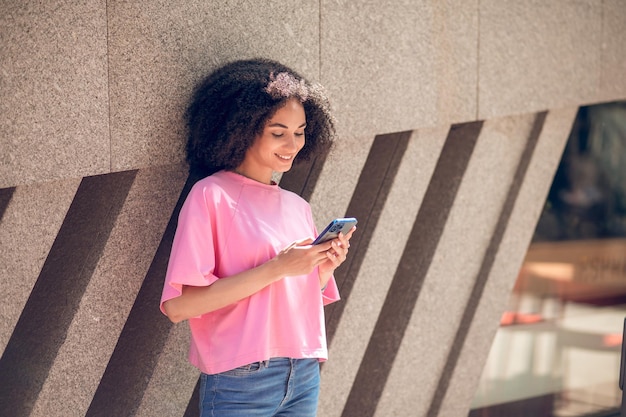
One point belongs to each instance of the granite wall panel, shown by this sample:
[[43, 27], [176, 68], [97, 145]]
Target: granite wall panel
[[368, 199], [447, 277], [405, 291], [172, 388], [525, 206], [381, 258], [110, 293], [42, 328], [338, 177], [53, 82], [28, 229], [538, 55], [486, 266], [399, 66], [613, 51]]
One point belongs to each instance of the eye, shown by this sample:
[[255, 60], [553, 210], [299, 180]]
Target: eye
[[299, 133], [277, 135]]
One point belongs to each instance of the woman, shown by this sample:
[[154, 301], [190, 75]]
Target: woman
[[242, 268]]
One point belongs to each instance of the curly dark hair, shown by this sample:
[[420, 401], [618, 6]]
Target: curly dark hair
[[230, 107]]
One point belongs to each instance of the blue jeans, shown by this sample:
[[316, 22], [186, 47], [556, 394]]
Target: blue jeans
[[278, 387]]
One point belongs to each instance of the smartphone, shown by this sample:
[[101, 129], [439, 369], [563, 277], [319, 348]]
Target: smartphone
[[334, 228]]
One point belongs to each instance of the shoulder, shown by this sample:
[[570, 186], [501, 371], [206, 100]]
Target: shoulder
[[290, 195], [207, 192], [215, 183]]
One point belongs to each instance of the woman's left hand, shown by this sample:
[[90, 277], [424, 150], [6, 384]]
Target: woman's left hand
[[336, 256]]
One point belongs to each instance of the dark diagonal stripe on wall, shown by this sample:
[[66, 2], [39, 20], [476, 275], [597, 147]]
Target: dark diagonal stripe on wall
[[366, 205], [43, 324], [5, 197], [414, 264], [302, 178], [485, 268], [143, 337], [194, 402]]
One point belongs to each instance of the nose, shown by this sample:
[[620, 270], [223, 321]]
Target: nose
[[295, 143]]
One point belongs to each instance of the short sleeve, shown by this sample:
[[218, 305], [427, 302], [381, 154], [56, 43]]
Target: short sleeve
[[331, 292], [192, 258]]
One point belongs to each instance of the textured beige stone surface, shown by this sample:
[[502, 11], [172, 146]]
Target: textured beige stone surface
[[613, 81], [110, 294], [174, 378], [27, 231], [537, 55], [158, 51], [400, 66], [455, 265], [377, 271], [528, 207], [53, 91], [338, 178]]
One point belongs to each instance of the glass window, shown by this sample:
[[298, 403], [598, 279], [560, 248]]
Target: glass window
[[557, 352]]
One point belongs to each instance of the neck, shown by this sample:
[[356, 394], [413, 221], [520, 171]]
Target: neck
[[257, 178]]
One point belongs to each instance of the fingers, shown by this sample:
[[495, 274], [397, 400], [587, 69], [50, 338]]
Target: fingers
[[350, 233], [336, 253], [338, 250], [344, 240], [301, 257], [331, 253]]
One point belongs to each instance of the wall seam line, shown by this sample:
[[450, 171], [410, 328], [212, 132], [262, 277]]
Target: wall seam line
[[108, 69], [601, 70], [319, 40], [478, 60]]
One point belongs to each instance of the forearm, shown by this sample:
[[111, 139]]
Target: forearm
[[324, 278], [195, 301]]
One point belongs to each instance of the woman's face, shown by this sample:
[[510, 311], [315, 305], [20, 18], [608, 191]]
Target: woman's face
[[276, 147]]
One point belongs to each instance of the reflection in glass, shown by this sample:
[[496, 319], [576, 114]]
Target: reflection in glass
[[557, 352]]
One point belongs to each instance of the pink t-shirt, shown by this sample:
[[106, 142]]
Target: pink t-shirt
[[229, 224]]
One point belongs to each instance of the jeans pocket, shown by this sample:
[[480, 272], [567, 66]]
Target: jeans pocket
[[249, 369]]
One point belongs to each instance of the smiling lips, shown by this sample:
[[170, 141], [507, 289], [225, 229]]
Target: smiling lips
[[286, 158]]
